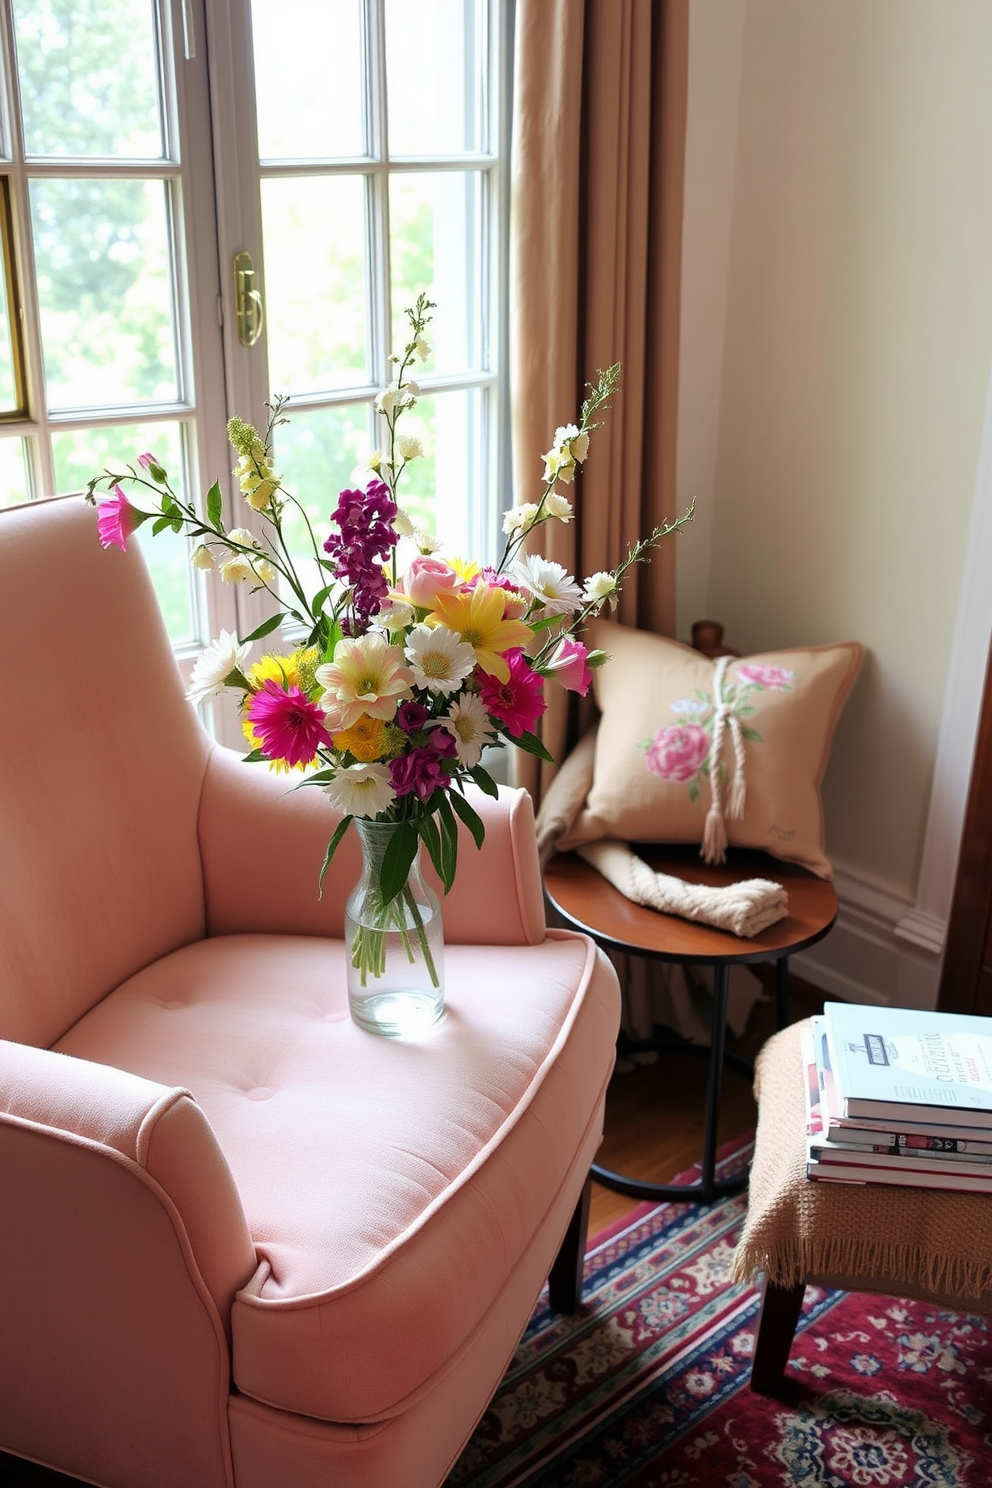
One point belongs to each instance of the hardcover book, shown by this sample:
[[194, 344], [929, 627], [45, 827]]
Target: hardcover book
[[955, 1182], [899, 1063]]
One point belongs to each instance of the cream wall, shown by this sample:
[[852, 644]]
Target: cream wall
[[837, 342]]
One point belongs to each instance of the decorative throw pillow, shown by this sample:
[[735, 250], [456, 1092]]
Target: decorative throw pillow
[[716, 752]]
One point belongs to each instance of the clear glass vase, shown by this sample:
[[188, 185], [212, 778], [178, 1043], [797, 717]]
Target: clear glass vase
[[395, 950]]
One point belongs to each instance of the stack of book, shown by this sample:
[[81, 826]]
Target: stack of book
[[899, 1097]]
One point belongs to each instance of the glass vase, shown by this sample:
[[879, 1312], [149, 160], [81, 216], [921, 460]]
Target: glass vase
[[395, 950]]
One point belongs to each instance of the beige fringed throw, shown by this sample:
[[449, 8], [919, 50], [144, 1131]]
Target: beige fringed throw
[[861, 1237], [744, 909]]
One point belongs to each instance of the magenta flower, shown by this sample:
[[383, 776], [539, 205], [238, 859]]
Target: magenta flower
[[518, 702], [676, 752], [411, 716], [117, 519], [289, 725], [421, 771]]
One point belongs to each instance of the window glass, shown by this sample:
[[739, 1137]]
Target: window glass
[[104, 281], [89, 78], [80, 454], [316, 291], [321, 114], [436, 83]]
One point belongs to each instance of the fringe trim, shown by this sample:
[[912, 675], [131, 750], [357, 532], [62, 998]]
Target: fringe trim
[[792, 1261]]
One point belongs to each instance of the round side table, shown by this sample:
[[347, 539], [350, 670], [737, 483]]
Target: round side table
[[587, 901]]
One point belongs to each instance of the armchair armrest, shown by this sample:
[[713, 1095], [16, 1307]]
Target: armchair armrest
[[123, 1228], [262, 845], [156, 1133]]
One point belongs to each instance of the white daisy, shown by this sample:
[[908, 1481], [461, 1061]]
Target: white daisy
[[468, 724], [439, 659], [215, 664], [549, 583], [361, 790], [409, 447]]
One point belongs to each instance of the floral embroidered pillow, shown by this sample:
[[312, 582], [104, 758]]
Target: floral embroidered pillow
[[719, 752]]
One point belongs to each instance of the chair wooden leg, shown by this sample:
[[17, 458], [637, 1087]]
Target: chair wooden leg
[[780, 1309], [565, 1277]]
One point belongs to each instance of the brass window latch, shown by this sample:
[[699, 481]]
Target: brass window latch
[[247, 300]]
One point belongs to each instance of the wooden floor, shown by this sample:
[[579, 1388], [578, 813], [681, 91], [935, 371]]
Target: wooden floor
[[654, 1114]]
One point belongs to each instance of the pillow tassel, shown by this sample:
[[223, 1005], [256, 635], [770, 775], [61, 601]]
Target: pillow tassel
[[714, 836]]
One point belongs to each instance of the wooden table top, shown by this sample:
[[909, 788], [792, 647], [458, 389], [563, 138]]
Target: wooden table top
[[586, 901]]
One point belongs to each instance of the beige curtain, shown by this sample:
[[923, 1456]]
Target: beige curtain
[[598, 149]]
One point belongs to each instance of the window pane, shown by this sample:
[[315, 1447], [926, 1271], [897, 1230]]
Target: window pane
[[308, 108], [15, 486], [315, 283], [317, 455], [435, 76], [79, 454], [9, 401], [89, 78], [436, 491], [435, 245], [105, 291]]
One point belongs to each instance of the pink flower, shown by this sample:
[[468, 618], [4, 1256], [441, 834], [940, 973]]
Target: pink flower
[[567, 664], [148, 462], [766, 676], [519, 701], [289, 725], [677, 752], [425, 577], [116, 519]]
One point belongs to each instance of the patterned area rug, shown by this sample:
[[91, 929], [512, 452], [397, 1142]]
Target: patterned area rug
[[646, 1387]]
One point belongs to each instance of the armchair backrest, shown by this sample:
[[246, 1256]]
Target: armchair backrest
[[101, 764]]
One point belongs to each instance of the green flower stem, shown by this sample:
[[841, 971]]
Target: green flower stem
[[368, 946]]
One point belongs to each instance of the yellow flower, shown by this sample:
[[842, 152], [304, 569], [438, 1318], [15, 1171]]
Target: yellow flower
[[465, 569], [295, 670], [479, 618], [367, 740]]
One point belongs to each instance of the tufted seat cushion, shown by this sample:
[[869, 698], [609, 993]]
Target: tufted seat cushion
[[369, 1227]]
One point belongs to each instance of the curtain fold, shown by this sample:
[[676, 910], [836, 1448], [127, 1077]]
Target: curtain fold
[[596, 206]]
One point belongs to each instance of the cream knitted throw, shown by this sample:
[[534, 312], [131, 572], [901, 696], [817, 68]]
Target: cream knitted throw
[[744, 909]]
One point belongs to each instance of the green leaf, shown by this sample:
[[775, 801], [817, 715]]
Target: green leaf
[[160, 525], [332, 848], [484, 781], [449, 843], [317, 603], [397, 860], [427, 827], [254, 758], [752, 736], [266, 627], [470, 817], [532, 745], [215, 507]]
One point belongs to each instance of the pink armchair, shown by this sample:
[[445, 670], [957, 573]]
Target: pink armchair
[[244, 1242]]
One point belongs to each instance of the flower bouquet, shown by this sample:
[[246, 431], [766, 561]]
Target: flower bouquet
[[405, 662]]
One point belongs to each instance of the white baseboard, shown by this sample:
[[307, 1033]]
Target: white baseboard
[[881, 950]]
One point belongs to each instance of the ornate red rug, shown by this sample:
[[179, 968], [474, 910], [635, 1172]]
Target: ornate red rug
[[646, 1387]]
